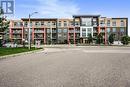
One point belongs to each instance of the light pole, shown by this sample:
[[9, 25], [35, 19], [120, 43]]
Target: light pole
[[29, 42]]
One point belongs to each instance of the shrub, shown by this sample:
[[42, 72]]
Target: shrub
[[125, 40]]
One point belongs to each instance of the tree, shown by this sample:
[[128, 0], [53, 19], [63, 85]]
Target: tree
[[4, 24], [125, 40], [111, 38], [99, 39], [90, 38]]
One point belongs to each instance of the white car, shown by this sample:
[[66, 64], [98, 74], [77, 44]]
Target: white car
[[10, 45]]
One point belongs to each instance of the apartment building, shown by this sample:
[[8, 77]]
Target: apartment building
[[67, 31]]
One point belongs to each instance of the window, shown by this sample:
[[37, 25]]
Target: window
[[59, 23], [53, 23], [37, 23], [48, 23], [122, 30], [15, 23], [86, 22], [108, 23], [59, 30], [76, 23], [31, 24], [48, 30], [94, 22], [122, 23], [71, 23], [108, 30], [89, 30], [114, 29], [26, 24], [65, 30], [83, 32], [53, 30], [59, 35], [42, 23], [114, 23], [65, 23], [102, 22]]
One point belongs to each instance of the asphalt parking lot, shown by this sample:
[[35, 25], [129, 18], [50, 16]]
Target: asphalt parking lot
[[68, 67]]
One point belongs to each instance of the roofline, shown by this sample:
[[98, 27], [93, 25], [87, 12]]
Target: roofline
[[38, 19], [86, 15], [120, 18]]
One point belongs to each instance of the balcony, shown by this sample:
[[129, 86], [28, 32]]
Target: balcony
[[95, 31], [17, 32], [77, 31], [71, 31], [102, 30], [17, 37], [53, 37], [95, 25], [102, 25], [38, 31], [53, 31]]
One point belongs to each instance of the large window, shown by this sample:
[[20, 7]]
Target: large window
[[83, 32], [122, 23], [65, 30], [108, 23], [25, 24], [42, 23], [108, 30], [48, 23], [86, 22], [102, 22], [114, 23], [53, 23], [37, 23], [59, 30], [114, 29], [77, 23], [89, 30], [65, 23], [94, 22], [48, 30], [59, 23], [122, 29]]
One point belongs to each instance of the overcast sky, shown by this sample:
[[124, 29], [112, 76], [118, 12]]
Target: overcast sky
[[67, 8]]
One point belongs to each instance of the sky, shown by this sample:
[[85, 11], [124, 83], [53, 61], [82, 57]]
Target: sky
[[67, 8]]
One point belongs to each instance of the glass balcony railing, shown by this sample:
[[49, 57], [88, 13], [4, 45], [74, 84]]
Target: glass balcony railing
[[39, 31], [17, 32]]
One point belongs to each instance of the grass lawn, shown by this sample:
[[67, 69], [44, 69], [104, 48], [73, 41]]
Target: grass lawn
[[8, 51]]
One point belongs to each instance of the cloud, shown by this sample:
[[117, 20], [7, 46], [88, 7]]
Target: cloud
[[57, 8]]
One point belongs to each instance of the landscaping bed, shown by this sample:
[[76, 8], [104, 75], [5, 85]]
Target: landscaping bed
[[9, 51]]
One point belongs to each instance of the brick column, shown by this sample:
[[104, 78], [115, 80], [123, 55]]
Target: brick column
[[44, 35], [33, 35], [10, 31], [68, 37], [74, 36], [105, 35], [22, 34], [98, 30]]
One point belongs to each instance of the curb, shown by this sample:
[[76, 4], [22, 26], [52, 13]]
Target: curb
[[19, 54]]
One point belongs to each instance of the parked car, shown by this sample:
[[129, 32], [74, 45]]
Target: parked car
[[10, 45]]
